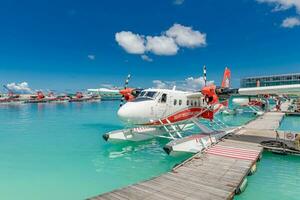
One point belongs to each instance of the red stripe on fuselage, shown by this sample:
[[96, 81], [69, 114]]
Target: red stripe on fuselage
[[185, 115]]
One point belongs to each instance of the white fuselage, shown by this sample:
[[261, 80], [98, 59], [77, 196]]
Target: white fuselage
[[157, 106]]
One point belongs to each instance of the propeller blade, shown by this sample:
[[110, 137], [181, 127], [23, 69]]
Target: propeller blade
[[125, 87], [122, 101], [127, 81]]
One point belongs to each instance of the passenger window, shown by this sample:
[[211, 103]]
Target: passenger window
[[163, 98], [175, 102], [192, 102], [195, 103], [187, 102], [180, 102]]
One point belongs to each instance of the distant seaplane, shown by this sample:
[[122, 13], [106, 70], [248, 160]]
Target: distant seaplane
[[11, 97], [106, 93], [257, 98]]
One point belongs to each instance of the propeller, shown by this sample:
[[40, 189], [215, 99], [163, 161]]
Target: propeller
[[125, 87], [209, 91], [10, 92]]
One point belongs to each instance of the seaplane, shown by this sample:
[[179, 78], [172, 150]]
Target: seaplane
[[169, 113], [106, 93], [11, 97], [80, 97], [166, 113], [40, 97], [258, 98], [52, 98]]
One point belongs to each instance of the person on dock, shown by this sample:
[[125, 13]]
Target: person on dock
[[278, 104]]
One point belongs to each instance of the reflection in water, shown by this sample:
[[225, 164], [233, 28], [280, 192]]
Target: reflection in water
[[40, 106]]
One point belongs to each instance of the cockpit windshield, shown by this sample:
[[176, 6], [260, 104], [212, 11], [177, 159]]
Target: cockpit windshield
[[147, 95], [151, 94]]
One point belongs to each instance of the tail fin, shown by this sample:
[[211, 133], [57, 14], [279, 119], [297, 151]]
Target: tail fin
[[226, 78]]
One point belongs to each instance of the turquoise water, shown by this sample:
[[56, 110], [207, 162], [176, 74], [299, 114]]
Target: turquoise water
[[50, 151], [56, 151], [277, 178], [290, 123]]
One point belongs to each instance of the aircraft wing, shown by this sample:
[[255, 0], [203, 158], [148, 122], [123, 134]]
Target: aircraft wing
[[195, 95], [104, 91], [272, 90]]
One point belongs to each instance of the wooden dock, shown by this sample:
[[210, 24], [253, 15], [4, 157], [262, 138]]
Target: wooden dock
[[216, 173]]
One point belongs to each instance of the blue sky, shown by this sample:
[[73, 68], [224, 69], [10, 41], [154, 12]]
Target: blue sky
[[71, 44]]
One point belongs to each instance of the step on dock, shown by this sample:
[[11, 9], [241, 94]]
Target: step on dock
[[217, 173]]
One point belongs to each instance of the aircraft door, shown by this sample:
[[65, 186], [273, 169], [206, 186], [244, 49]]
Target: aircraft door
[[161, 105]]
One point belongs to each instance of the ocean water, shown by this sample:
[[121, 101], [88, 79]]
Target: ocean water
[[277, 178], [56, 151], [290, 123]]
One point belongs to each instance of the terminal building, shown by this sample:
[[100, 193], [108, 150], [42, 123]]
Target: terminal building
[[283, 79]]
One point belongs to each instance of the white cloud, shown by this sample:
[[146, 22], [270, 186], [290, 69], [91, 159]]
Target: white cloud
[[161, 45], [283, 4], [194, 83], [178, 2], [130, 42], [19, 87], [146, 58], [91, 57], [291, 22], [168, 43], [189, 84], [186, 37], [160, 84]]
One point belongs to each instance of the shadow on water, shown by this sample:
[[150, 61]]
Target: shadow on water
[[152, 146], [104, 127]]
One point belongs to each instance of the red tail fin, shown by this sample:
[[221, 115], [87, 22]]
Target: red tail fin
[[226, 78]]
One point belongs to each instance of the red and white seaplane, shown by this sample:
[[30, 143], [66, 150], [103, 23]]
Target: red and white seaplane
[[11, 97], [80, 97], [168, 114]]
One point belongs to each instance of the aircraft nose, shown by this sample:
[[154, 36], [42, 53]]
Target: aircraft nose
[[124, 113], [134, 113]]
